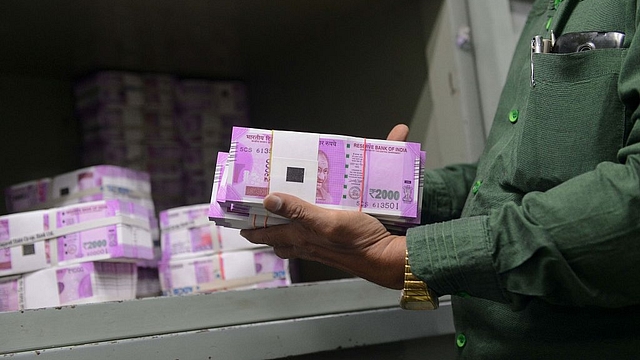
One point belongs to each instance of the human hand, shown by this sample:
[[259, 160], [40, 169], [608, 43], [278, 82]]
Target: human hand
[[348, 240], [352, 241]]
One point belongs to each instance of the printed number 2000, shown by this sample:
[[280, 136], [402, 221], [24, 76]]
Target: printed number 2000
[[95, 244], [384, 194]]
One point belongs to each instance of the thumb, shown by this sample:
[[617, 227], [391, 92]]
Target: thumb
[[399, 132], [290, 206]]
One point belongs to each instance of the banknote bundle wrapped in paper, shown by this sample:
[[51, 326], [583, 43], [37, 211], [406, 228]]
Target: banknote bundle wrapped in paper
[[241, 269], [97, 230], [187, 232], [88, 184], [93, 183], [199, 256], [379, 177], [87, 282], [117, 222]]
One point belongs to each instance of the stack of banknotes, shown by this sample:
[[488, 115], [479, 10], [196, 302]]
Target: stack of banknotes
[[96, 214], [82, 185], [379, 177], [93, 183], [68, 254], [97, 230], [83, 283], [198, 256]]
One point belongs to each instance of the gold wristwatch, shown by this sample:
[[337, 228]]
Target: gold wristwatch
[[415, 294]]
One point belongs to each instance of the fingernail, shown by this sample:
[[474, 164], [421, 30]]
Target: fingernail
[[272, 203]]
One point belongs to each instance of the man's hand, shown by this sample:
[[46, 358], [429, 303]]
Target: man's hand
[[348, 240]]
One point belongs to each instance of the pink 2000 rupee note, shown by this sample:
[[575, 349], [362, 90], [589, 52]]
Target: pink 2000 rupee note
[[10, 294], [82, 283], [116, 240], [374, 176], [228, 270]]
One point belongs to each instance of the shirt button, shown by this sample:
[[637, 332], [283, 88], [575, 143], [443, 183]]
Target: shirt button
[[513, 116], [476, 187], [461, 340]]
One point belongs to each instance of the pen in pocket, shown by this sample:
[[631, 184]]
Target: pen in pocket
[[540, 45]]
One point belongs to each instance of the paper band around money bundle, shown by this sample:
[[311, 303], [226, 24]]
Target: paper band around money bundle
[[226, 284], [88, 225], [90, 192], [191, 224]]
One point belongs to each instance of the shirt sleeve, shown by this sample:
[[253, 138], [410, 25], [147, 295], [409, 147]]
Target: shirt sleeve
[[445, 192], [576, 244]]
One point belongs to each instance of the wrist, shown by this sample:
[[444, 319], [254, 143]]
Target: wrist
[[395, 268], [389, 263]]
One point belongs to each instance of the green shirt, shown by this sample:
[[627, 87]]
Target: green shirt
[[539, 243]]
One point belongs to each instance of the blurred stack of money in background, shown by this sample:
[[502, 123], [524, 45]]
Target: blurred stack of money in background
[[161, 124], [205, 114], [62, 225], [127, 119], [104, 182], [140, 132], [198, 256], [379, 177]]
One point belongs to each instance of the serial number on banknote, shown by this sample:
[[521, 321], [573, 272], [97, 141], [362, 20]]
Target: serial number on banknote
[[248, 149], [386, 205]]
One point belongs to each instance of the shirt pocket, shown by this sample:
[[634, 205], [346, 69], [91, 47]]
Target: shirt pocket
[[574, 117]]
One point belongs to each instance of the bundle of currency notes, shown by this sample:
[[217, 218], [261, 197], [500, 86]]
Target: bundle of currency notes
[[83, 283], [101, 182], [87, 184], [382, 178], [242, 269], [187, 232], [97, 230], [199, 256]]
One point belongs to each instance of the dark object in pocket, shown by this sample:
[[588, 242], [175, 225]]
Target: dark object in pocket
[[585, 41]]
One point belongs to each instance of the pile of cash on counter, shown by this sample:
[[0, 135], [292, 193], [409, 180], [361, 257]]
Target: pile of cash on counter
[[78, 237]]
